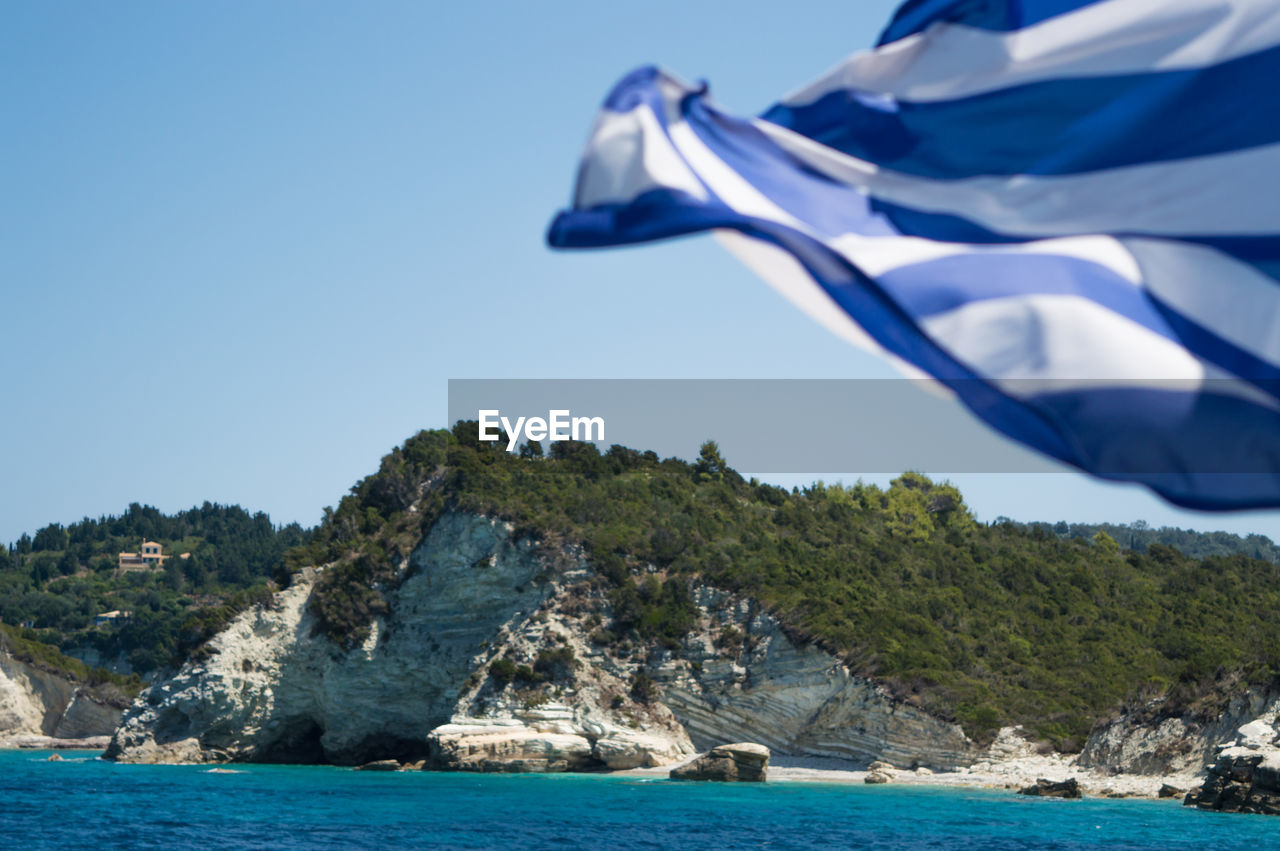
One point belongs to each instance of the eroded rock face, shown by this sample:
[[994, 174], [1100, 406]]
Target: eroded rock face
[[36, 702], [797, 699], [744, 762], [86, 717], [1147, 743]]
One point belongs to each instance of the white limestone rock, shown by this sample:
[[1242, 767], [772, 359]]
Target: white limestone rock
[[1148, 743], [623, 749], [496, 748], [36, 702]]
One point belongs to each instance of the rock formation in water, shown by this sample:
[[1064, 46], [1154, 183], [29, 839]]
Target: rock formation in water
[[1043, 788]]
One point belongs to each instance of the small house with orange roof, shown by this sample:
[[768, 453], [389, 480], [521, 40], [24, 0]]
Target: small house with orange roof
[[150, 555]]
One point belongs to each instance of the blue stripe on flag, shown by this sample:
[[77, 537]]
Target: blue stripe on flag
[[1260, 252], [1056, 126], [915, 15], [828, 206]]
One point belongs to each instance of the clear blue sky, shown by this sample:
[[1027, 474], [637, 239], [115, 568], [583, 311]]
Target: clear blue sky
[[244, 245]]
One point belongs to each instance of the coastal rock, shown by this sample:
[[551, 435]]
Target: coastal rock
[[876, 777], [1154, 741], [1241, 781], [380, 765], [89, 743], [39, 702], [1069, 788], [485, 628], [741, 762], [623, 749], [1109, 792], [270, 689], [180, 752], [502, 748]]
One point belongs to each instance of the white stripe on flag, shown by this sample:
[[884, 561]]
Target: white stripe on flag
[[1060, 337], [627, 155], [1117, 37], [1199, 196], [1226, 297]]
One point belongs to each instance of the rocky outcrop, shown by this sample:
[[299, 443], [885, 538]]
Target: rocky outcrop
[[1152, 741], [380, 765], [1241, 783], [744, 762], [508, 748], [35, 702], [1069, 788], [270, 689], [1245, 775]]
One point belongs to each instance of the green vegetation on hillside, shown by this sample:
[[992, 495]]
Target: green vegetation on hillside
[[988, 625], [25, 646], [59, 580], [1140, 536]]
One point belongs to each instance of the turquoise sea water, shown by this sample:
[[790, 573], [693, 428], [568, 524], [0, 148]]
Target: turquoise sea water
[[87, 803]]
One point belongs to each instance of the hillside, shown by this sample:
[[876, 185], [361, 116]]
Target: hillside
[[988, 626], [58, 581], [1139, 536]]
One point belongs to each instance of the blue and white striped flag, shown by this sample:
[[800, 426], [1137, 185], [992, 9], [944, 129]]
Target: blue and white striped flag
[[1067, 211]]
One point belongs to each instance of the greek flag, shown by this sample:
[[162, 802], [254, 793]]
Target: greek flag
[[1066, 211]]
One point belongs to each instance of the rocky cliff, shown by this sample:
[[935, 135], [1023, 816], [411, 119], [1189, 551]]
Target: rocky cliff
[[1152, 741], [39, 702], [485, 659]]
